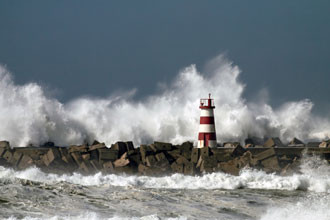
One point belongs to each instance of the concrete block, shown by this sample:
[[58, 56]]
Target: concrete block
[[189, 169], [230, 167], [150, 160], [96, 165], [77, 158], [238, 151], [96, 146], [195, 153], [2, 151], [86, 156], [17, 156], [271, 164], [205, 151], [160, 156], [223, 157], [8, 155], [325, 144], [145, 150], [81, 148], [135, 158], [108, 167], [177, 168], [265, 154], [273, 142], [161, 146], [4, 144], [122, 161], [25, 162], [108, 154], [130, 145], [175, 154], [120, 147]]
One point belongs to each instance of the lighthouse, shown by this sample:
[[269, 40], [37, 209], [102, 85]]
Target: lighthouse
[[207, 136]]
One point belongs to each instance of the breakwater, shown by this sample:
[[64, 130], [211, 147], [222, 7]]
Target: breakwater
[[159, 158]]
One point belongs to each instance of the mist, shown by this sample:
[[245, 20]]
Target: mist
[[29, 116]]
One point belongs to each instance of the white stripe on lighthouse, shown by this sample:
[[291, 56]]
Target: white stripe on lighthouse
[[206, 112], [206, 128]]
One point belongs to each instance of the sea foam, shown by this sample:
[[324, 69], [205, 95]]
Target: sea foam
[[314, 176], [29, 116]]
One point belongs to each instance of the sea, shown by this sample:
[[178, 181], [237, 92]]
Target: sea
[[32, 194]]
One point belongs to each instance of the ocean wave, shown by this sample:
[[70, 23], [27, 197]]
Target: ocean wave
[[314, 176], [30, 116], [94, 216]]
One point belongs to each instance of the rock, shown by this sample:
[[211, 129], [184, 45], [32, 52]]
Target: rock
[[51, 155], [223, 157], [95, 142], [208, 164], [325, 144], [271, 164], [231, 144], [145, 150], [160, 156], [86, 156], [122, 161], [108, 167], [230, 167], [177, 168], [81, 148], [186, 149], [273, 142], [161, 146], [265, 154], [135, 158], [195, 153], [205, 152], [77, 157], [96, 146], [175, 154], [2, 151], [130, 145], [238, 151], [296, 143], [65, 156], [25, 162], [313, 144], [189, 169], [120, 147], [96, 165], [150, 160], [4, 144], [108, 154], [17, 156], [248, 146], [142, 169], [86, 167]]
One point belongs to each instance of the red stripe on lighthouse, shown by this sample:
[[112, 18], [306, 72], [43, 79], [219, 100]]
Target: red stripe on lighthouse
[[211, 136], [207, 120]]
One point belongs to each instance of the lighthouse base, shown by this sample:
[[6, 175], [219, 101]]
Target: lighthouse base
[[210, 143]]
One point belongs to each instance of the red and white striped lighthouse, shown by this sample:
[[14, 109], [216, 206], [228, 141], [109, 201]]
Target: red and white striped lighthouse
[[206, 135]]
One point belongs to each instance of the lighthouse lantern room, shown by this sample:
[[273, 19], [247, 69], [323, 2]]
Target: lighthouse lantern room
[[207, 136]]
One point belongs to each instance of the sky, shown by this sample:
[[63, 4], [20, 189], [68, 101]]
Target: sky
[[97, 48]]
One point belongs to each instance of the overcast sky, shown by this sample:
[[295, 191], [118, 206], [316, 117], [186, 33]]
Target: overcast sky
[[98, 47]]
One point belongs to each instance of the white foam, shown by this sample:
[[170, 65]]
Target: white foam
[[27, 115], [95, 216], [315, 177], [314, 206]]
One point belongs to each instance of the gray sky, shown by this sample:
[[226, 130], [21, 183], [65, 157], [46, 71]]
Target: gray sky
[[98, 47]]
